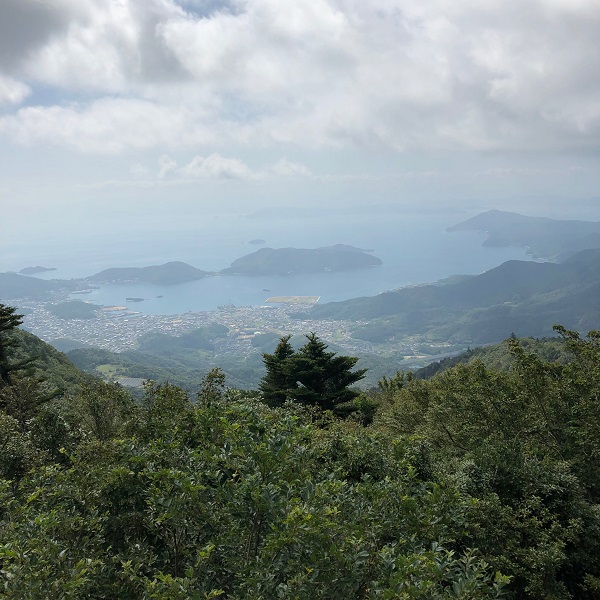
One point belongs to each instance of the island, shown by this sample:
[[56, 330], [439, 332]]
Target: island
[[168, 274], [290, 261], [544, 238], [36, 270], [257, 242]]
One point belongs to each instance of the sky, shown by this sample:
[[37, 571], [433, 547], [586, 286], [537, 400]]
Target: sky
[[112, 107]]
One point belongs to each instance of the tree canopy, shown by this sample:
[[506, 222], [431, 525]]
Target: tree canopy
[[311, 376], [9, 320], [474, 484]]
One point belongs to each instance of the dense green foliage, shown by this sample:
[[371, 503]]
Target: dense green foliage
[[9, 321], [223, 498], [499, 356], [477, 483], [524, 445]]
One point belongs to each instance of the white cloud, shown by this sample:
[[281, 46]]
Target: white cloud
[[287, 168], [166, 165], [216, 166], [400, 74], [139, 171], [12, 91], [105, 126]]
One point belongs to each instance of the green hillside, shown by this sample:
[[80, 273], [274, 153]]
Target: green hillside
[[476, 483], [184, 360], [525, 298], [499, 356], [48, 364]]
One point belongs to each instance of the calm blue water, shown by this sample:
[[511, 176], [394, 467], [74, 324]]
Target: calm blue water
[[413, 248]]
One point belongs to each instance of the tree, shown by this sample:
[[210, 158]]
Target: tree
[[212, 386], [323, 376], [8, 322], [279, 384], [311, 376]]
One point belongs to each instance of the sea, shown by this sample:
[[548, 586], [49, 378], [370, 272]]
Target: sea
[[414, 248]]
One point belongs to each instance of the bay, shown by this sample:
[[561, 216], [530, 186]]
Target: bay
[[414, 248]]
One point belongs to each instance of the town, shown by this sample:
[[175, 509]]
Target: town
[[118, 328]]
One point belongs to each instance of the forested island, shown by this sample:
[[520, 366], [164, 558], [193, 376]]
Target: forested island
[[266, 261], [289, 261]]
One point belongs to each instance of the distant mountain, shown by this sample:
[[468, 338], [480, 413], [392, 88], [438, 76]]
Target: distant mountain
[[544, 238], [287, 261], [523, 297], [168, 274]]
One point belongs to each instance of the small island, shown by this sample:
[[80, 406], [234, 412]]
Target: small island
[[257, 242], [36, 270], [290, 261]]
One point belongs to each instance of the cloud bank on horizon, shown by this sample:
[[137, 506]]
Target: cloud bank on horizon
[[209, 80]]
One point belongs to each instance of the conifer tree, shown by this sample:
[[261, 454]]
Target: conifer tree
[[311, 376], [8, 322], [324, 377], [279, 384]]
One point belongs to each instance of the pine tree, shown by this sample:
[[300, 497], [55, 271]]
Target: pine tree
[[8, 322], [279, 384], [311, 376], [324, 377]]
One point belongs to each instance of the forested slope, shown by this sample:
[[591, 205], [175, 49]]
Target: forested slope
[[477, 483]]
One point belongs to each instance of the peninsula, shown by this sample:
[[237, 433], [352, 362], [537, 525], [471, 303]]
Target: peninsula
[[36, 270], [168, 274], [544, 238]]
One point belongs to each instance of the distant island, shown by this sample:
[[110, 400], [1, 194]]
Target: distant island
[[544, 238], [168, 274], [257, 242], [289, 261], [36, 270]]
